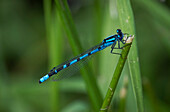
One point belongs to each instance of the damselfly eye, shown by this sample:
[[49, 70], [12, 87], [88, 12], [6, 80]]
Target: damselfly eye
[[118, 31]]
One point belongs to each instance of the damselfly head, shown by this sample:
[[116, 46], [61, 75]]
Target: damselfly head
[[120, 34]]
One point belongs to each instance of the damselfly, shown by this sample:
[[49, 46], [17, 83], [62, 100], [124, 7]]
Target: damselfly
[[111, 40]]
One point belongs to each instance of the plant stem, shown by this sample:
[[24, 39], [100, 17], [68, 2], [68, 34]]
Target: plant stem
[[115, 78]]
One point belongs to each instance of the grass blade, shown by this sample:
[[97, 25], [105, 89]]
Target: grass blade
[[69, 26], [127, 23], [53, 33]]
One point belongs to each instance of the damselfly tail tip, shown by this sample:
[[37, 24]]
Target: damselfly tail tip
[[44, 78]]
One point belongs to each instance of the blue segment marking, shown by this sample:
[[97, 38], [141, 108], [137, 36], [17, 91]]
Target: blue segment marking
[[64, 66], [73, 61], [111, 40], [44, 78], [84, 56], [108, 44], [55, 71], [94, 51]]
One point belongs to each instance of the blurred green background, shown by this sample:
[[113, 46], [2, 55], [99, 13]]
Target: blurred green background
[[26, 54]]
